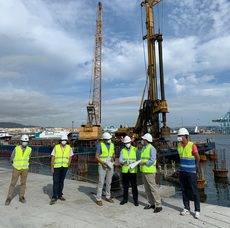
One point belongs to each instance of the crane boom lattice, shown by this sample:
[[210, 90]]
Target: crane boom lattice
[[94, 106]]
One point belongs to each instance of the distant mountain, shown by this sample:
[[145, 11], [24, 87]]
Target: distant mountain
[[12, 125]]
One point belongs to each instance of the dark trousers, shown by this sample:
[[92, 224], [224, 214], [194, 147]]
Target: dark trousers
[[132, 179], [58, 181], [188, 182]]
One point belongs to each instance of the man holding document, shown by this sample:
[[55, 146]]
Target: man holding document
[[105, 158], [148, 170], [129, 163]]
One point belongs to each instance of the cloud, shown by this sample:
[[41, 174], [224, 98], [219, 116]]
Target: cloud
[[47, 49]]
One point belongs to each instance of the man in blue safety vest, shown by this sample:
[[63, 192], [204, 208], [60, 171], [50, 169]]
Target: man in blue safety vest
[[188, 154]]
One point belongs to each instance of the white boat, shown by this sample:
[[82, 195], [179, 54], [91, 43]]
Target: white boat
[[110, 129], [5, 135], [196, 131], [50, 134]]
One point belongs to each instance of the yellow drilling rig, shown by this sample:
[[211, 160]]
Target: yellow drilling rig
[[152, 107]]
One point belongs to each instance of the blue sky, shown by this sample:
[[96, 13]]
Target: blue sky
[[47, 50]]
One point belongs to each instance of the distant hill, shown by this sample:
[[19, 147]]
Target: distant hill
[[12, 125]]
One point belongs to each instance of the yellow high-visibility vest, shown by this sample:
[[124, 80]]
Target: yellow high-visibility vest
[[105, 152], [187, 160], [21, 158], [131, 156], [145, 156], [62, 156]]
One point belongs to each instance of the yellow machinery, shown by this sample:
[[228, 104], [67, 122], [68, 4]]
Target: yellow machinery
[[152, 106], [92, 130]]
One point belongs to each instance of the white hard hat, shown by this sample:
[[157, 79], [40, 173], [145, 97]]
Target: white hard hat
[[126, 139], [64, 137], [106, 136], [183, 131], [147, 137], [25, 138]]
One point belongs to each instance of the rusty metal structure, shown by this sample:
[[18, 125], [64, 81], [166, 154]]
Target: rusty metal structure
[[152, 106], [94, 106]]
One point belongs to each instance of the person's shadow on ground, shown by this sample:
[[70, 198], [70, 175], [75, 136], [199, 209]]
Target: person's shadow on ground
[[89, 191], [48, 190]]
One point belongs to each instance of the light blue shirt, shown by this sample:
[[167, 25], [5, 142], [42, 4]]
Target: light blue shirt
[[153, 154]]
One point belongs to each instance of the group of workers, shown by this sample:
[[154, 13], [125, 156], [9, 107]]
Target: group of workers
[[132, 159]]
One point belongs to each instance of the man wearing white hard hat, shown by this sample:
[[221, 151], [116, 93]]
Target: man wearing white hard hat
[[105, 157], [128, 155], [188, 154], [20, 161], [60, 162], [148, 170]]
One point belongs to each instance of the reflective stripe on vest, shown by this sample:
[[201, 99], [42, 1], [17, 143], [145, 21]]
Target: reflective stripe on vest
[[130, 156], [187, 160], [21, 158], [145, 156], [62, 156], [105, 152]]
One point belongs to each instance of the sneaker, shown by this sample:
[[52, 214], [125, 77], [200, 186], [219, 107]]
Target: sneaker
[[184, 212], [149, 207], [53, 201], [197, 214], [22, 199], [109, 200], [99, 203], [7, 201], [123, 202], [157, 209], [62, 198]]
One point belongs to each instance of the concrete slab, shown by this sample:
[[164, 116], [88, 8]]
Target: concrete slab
[[80, 210]]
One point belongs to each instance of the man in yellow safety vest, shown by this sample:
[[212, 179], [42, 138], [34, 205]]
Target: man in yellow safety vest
[[148, 170], [20, 161], [128, 156], [105, 158], [60, 162]]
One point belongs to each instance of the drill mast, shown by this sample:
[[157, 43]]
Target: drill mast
[[148, 120]]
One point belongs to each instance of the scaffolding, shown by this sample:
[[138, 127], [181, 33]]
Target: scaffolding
[[224, 122]]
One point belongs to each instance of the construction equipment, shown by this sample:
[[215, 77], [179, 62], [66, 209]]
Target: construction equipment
[[92, 129], [152, 107], [94, 106]]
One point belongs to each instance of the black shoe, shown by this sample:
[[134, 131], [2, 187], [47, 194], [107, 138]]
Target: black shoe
[[136, 204], [7, 201], [123, 202], [149, 207], [53, 201], [157, 209], [22, 199], [61, 198]]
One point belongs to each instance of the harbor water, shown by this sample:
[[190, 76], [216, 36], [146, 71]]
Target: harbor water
[[216, 193]]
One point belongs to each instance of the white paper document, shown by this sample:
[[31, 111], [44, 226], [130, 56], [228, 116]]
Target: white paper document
[[134, 164]]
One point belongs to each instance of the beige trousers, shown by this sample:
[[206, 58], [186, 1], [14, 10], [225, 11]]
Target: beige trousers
[[14, 179], [151, 189]]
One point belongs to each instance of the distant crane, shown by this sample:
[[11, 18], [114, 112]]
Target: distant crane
[[92, 130], [94, 106]]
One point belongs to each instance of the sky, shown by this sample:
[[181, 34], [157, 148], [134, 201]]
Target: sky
[[46, 53]]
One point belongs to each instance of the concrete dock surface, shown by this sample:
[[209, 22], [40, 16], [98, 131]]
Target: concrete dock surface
[[80, 210]]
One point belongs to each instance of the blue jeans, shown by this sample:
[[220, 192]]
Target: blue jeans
[[188, 182], [58, 181]]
